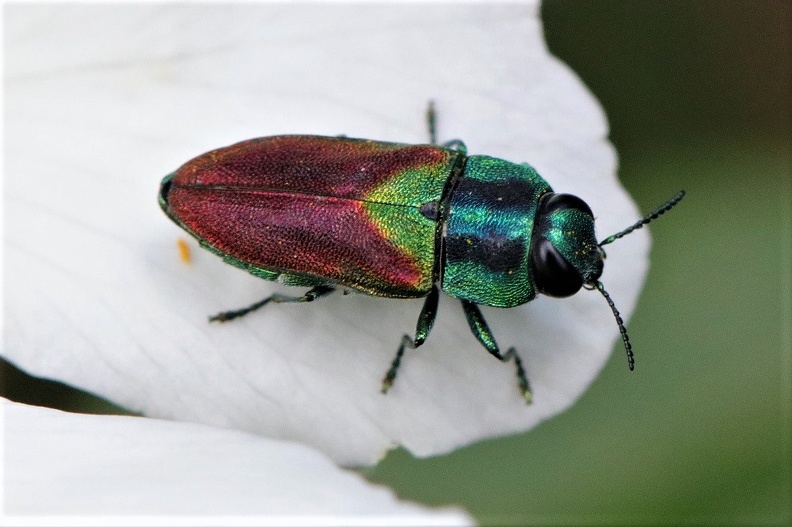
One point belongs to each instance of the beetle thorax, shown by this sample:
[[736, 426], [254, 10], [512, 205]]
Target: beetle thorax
[[487, 235]]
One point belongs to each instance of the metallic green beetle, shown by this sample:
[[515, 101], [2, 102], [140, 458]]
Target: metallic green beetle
[[392, 220]]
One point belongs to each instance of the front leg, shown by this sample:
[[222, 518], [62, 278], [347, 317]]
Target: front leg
[[482, 332]]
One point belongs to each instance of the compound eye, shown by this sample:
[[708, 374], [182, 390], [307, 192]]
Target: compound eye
[[553, 275], [556, 202]]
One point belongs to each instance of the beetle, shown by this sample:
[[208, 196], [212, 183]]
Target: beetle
[[392, 220]]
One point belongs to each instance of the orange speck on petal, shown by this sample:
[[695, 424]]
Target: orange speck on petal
[[184, 250]]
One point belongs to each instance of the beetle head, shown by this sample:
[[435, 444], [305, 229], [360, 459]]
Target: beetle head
[[564, 251], [565, 255]]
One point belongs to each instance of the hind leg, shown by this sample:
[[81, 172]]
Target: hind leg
[[317, 292]]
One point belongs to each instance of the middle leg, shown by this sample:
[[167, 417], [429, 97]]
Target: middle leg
[[425, 322]]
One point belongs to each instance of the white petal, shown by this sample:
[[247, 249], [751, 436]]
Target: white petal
[[102, 101], [67, 464]]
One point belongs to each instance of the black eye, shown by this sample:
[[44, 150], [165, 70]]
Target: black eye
[[553, 275], [552, 202]]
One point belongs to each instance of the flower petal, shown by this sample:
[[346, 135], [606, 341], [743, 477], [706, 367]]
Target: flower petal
[[103, 101], [73, 464]]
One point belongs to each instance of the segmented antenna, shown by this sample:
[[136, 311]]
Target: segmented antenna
[[668, 205], [620, 322]]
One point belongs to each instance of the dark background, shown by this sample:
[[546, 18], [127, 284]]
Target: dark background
[[698, 97]]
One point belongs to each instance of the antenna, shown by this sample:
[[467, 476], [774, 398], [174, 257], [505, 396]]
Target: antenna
[[668, 205], [620, 323]]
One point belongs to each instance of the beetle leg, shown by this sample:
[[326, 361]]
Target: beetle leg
[[317, 292], [431, 121], [422, 328], [456, 144], [482, 332]]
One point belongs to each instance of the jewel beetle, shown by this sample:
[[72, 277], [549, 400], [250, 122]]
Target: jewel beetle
[[392, 220]]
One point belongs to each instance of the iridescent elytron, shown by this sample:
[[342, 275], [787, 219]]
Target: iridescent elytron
[[391, 220]]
